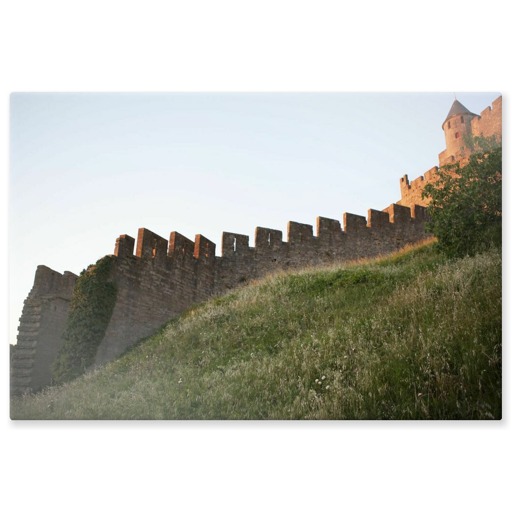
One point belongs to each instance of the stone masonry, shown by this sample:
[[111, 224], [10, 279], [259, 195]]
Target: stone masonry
[[459, 124], [40, 331], [158, 279]]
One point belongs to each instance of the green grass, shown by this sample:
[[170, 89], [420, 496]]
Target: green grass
[[411, 336]]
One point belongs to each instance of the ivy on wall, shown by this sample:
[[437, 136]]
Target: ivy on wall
[[92, 304]]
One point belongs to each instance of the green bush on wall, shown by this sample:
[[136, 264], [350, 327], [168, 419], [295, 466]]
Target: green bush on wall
[[93, 301], [465, 210]]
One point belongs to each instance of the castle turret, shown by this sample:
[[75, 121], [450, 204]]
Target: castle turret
[[456, 127]]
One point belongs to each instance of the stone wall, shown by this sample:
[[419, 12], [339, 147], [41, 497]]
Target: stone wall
[[157, 279], [42, 323], [411, 191], [487, 124], [162, 278]]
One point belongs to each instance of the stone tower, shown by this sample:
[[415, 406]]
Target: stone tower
[[459, 124], [456, 127]]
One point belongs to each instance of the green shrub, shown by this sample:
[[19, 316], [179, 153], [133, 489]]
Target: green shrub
[[465, 209]]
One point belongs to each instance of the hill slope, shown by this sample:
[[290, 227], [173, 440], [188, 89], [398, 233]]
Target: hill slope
[[411, 336]]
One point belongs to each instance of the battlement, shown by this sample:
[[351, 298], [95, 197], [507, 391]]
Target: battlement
[[378, 219], [124, 246], [488, 123], [299, 233], [411, 191], [153, 247], [328, 228], [266, 239], [235, 245], [180, 246]]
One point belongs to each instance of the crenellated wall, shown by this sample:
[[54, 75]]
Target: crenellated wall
[[157, 279], [163, 278], [487, 124], [411, 191]]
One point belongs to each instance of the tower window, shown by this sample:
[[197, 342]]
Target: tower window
[[457, 135], [462, 119], [449, 126]]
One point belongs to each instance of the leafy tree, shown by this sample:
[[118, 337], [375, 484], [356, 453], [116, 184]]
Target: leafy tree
[[465, 209]]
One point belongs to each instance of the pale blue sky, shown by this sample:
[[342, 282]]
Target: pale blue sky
[[86, 168]]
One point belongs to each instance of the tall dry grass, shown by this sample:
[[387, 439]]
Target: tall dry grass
[[412, 336]]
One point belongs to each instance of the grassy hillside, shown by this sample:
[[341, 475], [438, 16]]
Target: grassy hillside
[[412, 336]]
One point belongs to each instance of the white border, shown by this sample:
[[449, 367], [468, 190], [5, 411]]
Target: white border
[[252, 46]]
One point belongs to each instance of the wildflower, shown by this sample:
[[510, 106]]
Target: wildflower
[[323, 377], [180, 381], [327, 387]]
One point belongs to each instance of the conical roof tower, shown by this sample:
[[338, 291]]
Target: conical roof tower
[[457, 109], [457, 129]]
